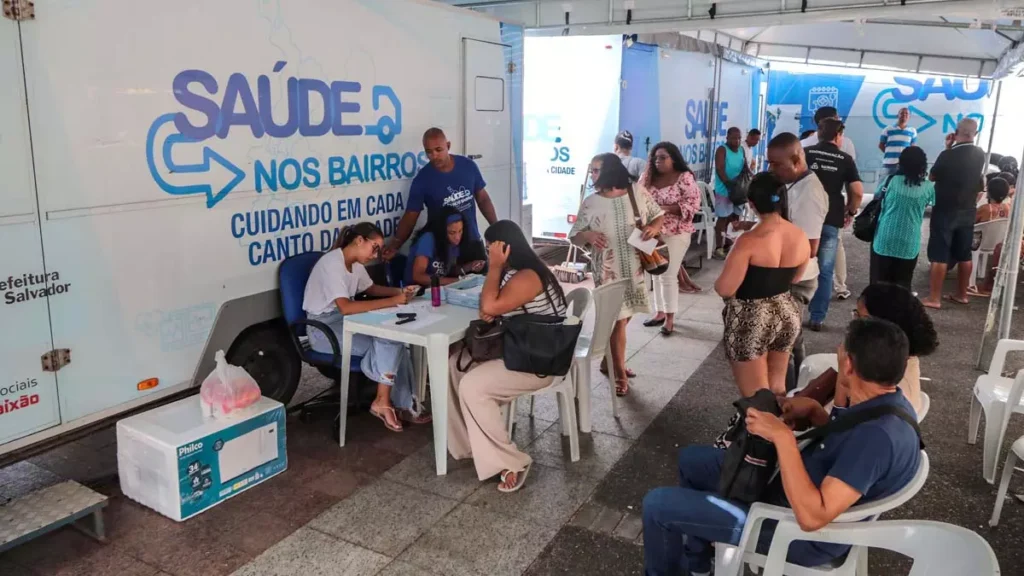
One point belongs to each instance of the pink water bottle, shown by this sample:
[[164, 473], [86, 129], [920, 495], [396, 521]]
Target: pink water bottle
[[435, 291]]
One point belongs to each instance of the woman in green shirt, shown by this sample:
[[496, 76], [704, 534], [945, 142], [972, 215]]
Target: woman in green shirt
[[898, 235]]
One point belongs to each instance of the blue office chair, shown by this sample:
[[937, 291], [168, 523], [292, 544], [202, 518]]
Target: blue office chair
[[292, 277]]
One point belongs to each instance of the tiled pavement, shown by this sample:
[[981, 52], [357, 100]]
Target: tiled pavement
[[376, 505]]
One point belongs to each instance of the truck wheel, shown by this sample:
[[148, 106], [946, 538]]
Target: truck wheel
[[268, 355]]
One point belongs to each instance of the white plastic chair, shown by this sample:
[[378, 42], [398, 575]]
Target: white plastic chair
[[815, 364], [1016, 453], [937, 548], [577, 304], [729, 560], [708, 217], [992, 233], [992, 394], [607, 304]]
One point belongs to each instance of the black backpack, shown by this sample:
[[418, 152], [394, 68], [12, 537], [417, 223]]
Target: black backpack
[[751, 462]]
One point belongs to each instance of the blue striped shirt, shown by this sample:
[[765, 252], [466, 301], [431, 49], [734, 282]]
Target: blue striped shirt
[[896, 140]]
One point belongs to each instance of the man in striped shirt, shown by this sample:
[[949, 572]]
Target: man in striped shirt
[[895, 139]]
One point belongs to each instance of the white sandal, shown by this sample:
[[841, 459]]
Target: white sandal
[[520, 480]]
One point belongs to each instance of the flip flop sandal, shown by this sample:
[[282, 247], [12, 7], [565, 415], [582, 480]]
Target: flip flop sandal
[[622, 388], [949, 298], [520, 480], [652, 323], [384, 419], [604, 372], [413, 418]]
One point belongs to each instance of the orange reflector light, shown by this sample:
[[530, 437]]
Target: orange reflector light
[[148, 384]]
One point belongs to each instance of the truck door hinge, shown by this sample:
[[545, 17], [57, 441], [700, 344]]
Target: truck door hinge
[[56, 359], [19, 10]]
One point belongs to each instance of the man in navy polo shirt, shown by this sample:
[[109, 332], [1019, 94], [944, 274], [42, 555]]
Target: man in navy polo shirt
[[448, 180], [872, 460]]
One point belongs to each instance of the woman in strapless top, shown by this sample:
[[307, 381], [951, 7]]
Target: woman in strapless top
[[762, 321]]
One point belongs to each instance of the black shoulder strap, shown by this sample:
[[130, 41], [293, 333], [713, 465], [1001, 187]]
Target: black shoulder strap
[[849, 421], [885, 187]]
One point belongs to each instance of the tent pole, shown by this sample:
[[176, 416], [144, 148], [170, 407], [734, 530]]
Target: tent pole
[[1004, 290], [992, 131]]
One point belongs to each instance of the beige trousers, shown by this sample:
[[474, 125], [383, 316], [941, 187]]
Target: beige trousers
[[476, 428]]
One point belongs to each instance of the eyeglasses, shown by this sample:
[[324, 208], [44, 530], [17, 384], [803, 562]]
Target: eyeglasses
[[595, 170]]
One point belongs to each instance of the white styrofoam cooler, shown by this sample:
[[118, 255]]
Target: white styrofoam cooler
[[179, 463]]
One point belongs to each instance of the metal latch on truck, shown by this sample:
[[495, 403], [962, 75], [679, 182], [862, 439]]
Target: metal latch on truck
[[19, 10], [56, 359]]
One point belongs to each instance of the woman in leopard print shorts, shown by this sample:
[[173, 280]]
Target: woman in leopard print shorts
[[762, 320]]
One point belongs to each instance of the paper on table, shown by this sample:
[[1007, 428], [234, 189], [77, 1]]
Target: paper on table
[[422, 319], [417, 306], [646, 246]]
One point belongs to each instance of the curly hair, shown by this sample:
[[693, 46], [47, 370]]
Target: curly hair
[[678, 164], [898, 305]]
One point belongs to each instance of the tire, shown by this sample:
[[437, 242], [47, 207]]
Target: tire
[[269, 356]]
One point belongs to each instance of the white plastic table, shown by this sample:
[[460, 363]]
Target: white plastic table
[[435, 338]]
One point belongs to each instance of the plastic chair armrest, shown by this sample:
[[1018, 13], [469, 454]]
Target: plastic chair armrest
[[999, 357], [326, 330]]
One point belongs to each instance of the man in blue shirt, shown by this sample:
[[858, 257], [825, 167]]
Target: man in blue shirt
[[872, 460], [448, 180], [895, 139]]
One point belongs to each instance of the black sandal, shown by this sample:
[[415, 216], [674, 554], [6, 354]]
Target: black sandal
[[653, 323]]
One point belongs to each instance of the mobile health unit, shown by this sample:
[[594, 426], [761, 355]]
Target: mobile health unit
[[160, 159]]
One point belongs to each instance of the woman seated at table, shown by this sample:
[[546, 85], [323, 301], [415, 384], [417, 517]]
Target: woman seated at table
[[337, 278], [517, 282], [440, 248]]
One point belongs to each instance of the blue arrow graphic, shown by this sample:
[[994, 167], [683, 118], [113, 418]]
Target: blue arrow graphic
[[205, 166], [929, 121]]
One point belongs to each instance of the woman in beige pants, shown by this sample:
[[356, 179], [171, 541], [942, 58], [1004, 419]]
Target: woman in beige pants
[[517, 282]]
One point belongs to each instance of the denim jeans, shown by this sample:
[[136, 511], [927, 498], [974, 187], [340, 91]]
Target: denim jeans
[[827, 246], [681, 523], [384, 361]]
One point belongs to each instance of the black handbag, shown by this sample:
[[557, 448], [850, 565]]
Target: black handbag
[[865, 224], [539, 344], [739, 187], [484, 341]]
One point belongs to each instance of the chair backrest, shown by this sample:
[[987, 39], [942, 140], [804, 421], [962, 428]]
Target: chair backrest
[[926, 404], [937, 548], [877, 507], [707, 198], [396, 270], [607, 305], [577, 302], [992, 232], [292, 276]]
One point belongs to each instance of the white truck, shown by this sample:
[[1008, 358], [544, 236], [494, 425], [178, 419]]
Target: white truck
[[158, 160]]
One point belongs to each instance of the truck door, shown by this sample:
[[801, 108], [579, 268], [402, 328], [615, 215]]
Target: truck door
[[28, 394], [487, 137]]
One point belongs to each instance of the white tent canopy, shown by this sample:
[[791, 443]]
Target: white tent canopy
[[958, 37]]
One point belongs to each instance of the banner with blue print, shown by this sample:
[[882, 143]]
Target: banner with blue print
[[869, 101]]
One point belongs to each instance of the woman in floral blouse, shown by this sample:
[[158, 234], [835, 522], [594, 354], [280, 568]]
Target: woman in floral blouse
[[674, 188]]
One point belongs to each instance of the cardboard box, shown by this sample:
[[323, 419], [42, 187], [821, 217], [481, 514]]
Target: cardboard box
[[178, 462]]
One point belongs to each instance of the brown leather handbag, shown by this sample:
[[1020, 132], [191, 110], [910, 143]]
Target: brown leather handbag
[[484, 341], [655, 263]]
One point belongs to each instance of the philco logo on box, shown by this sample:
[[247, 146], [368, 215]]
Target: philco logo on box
[[186, 450]]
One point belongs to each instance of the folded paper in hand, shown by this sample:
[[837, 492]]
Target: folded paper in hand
[[646, 246]]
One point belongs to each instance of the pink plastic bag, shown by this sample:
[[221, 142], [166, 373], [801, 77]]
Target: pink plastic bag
[[227, 389]]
